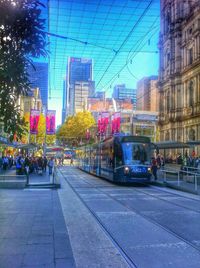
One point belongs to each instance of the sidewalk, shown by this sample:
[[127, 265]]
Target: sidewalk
[[53, 229], [182, 185], [9, 179], [32, 230]]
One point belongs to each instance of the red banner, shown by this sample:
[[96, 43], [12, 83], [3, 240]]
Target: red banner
[[104, 121], [50, 122], [34, 120], [116, 122]]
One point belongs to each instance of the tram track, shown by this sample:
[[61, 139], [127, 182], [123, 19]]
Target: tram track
[[134, 210], [103, 227]]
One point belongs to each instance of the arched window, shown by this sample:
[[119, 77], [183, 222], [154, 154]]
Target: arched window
[[191, 93]]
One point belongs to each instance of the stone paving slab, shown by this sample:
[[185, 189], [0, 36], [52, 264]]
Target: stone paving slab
[[32, 230], [90, 244]]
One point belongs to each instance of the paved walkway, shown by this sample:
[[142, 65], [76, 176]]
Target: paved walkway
[[32, 230], [52, 228], [40, 227]]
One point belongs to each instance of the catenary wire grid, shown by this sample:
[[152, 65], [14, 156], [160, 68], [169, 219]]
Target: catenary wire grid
[[115, 34]]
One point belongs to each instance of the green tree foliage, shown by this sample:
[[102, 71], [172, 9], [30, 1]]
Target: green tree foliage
[[21, 37], [74, 129]]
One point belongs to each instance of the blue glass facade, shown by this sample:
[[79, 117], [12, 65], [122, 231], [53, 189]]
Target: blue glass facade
[[78, 70], [39, 78]]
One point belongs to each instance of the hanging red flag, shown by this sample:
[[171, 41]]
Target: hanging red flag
[[50, 122], [34, 120]]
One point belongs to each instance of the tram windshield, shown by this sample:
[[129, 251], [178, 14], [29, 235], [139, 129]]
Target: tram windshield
[[136, 153]]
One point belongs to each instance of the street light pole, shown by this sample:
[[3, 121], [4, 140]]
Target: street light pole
[[45, 135]]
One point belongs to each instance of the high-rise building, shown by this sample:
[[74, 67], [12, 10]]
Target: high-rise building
[[38, 76], [179, 72], [78, 70], [100, 95], [82, 90], [64, 102], [31, 101], [147, 94], [121, 92]]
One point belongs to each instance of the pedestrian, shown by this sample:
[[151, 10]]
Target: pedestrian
[[51, 165], [71, 162], [154, 168], [45, 164], [27, 165]]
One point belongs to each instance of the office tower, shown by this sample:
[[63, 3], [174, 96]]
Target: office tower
[[82, 90], [121, 92], [38, 76], [100, 95], [147, 94], [64, 102], [78, 70]]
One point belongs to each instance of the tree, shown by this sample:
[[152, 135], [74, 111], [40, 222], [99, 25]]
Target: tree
[[21, 37], [73, 131]]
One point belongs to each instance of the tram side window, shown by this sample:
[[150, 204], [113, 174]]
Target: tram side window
[[104, 158], [118, 154]]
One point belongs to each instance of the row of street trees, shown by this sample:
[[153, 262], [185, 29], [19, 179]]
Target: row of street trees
[[21, 38], [74, 130]]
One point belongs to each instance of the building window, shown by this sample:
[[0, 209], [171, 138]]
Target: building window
[[192, 134], [191, 93], [168, 102], [190, 56], [167, 136]]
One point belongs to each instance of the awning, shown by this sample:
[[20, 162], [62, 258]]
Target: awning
[[27, 146], [55, 149], [193, 143], [171, 145]]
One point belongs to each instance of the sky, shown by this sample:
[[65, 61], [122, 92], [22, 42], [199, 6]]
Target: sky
[[120, 36]]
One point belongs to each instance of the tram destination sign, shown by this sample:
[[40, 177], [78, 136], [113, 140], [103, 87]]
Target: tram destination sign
[[141, 139]]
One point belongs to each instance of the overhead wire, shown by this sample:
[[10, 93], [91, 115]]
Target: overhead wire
[[122, 68], [103, 47], [131, 16], [126, 39]]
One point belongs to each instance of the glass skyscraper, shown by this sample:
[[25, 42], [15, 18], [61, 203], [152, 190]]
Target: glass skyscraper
[[39, 78], [78, 70]]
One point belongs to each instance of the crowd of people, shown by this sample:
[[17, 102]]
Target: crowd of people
[[191, 160], [187, 159], [31, 164], [27, 164]]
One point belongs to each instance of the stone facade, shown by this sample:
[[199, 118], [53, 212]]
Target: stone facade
[[179, 72]]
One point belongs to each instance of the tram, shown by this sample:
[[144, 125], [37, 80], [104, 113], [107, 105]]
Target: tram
[[121, 159]]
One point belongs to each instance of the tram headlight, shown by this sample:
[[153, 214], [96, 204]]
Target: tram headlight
[[149, 169], [126, 170]]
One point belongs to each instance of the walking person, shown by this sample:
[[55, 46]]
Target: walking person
[[71, 162], [51, 165], [45, 164], [154, 168]]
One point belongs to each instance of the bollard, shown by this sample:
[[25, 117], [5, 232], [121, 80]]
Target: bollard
[[27, 178], [178, 178], [164, 176], [187, 173], [195, 181]]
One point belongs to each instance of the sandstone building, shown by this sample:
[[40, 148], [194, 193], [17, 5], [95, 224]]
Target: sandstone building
[[179, 72]]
